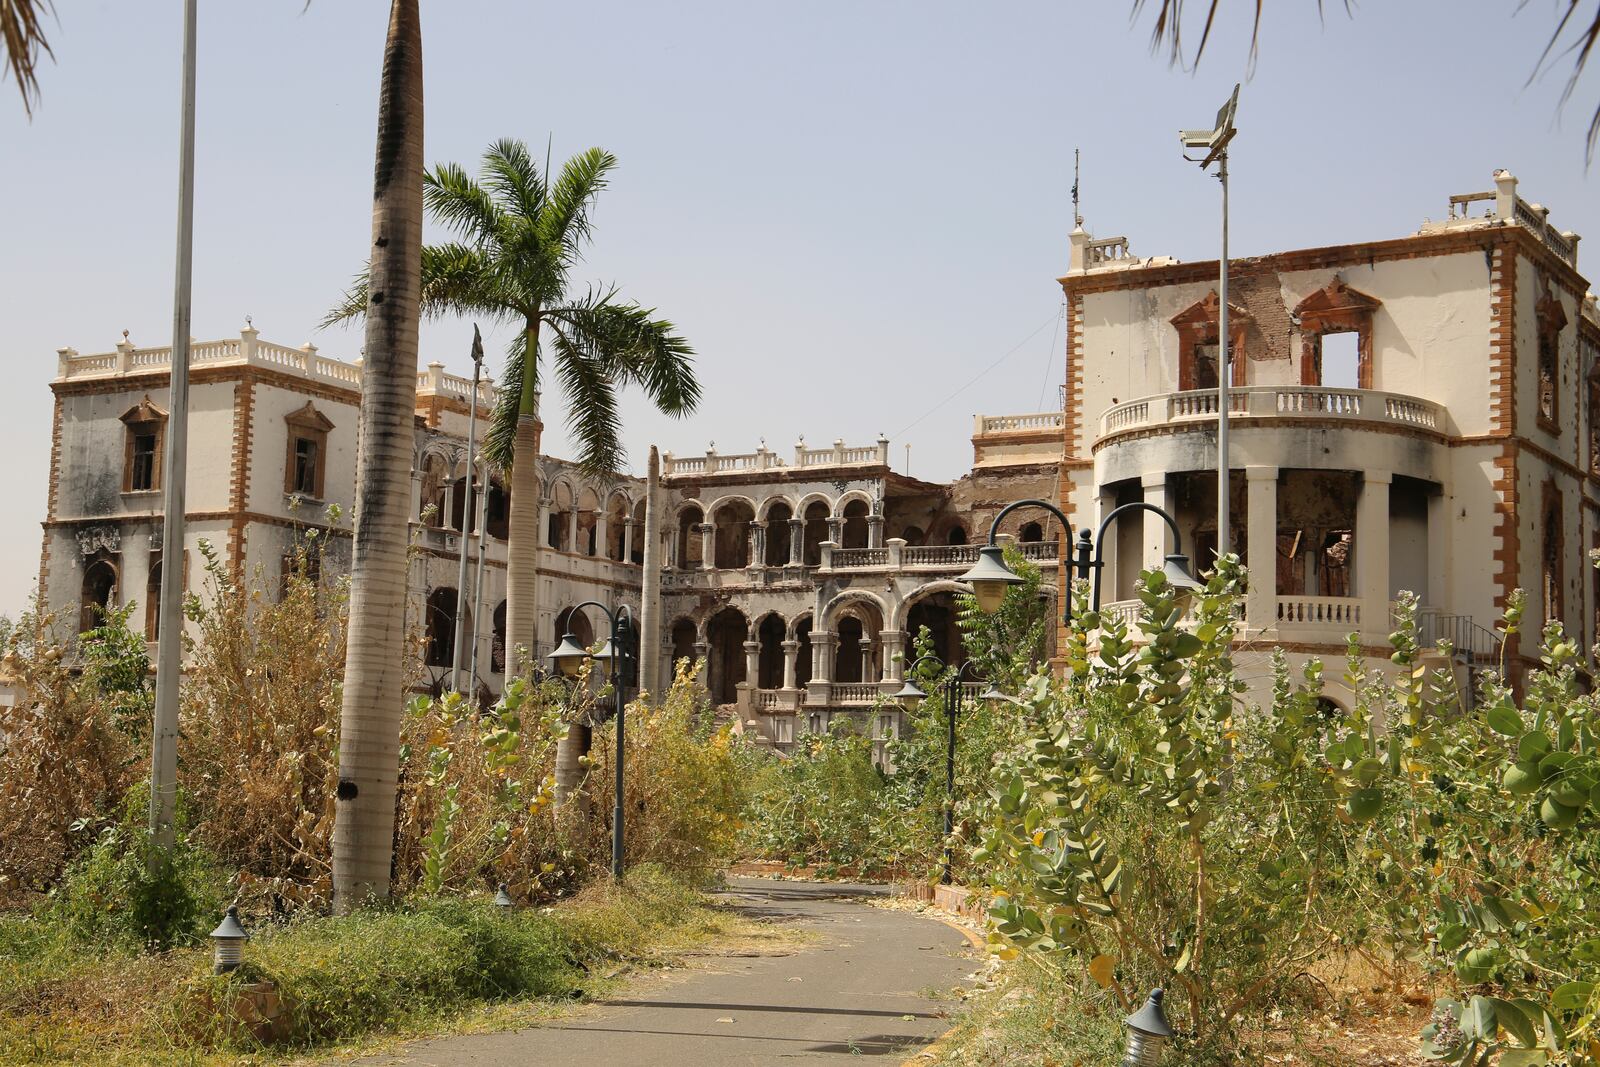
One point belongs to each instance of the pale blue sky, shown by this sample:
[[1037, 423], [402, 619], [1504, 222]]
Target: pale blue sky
[[851, 209]]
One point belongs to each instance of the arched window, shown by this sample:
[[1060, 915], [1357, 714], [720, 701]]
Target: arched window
[[816, 532], [854, 534], [690, 544], [778, 535], [1031, 532], [958, 535], [98, 594], [145, 434], [770, 634], [732, 538]]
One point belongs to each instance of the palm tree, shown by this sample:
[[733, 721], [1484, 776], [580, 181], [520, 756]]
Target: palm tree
[[519, 237], [22, 34], [370, 718]]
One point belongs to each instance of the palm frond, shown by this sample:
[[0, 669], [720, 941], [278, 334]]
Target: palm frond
[[352, 305], [461, 280], [22, 34], [453, 198], [500, 442], [564, 223], [636, 348], [591, 395], [1580, 49], [511, 175]]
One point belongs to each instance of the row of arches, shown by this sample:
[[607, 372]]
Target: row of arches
[[858, 642]]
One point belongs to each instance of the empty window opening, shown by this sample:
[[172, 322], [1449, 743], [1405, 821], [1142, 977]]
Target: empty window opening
[[1340, 360]]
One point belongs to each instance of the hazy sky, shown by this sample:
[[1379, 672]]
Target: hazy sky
[[853, 210]]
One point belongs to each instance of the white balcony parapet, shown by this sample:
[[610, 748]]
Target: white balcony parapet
[[933, 557], [1042, 421], [762, 459], [855, 693], [1274, 401], [249, 350]]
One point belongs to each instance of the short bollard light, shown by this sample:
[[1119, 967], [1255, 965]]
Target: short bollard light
[[227, 942], [502, 899], [1148, 1033]]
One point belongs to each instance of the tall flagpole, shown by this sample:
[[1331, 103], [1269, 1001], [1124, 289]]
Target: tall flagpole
[[169, 648]]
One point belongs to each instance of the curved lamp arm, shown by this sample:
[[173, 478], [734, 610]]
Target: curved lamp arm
[[1105, 524], [994, 527]]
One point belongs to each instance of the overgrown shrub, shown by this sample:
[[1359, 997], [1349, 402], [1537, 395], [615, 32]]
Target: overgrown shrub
[[124, 892], [1158, 832], [68, 750]]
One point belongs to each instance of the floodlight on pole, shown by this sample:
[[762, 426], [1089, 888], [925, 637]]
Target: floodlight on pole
[[1214, 142]]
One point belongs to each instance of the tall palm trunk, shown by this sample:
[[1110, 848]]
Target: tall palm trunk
[[370, 719], [522, 547]]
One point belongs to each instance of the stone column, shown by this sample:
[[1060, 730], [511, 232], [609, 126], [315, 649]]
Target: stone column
[[823, 647], [791, 660], [752, 664], [756, 544], [1110, 588], [874, 531], [1261, 493], [797, 542], [602, 533], [572, 529], [416, 496], [1372, 555], [836, 530], [628, 528], [893, 644], [1157, 538], [650, 636], [544, 522], [708, 545]]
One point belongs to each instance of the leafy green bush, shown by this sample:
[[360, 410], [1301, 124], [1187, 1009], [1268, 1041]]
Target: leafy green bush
[[125, 892], [1157, 832]]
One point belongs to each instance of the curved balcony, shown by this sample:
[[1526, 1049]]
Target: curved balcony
[[1273, 401], [1284, 425]]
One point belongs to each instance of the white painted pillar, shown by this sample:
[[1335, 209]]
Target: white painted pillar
[[416, 495], [791, 661], [893, 645], [572, 529], [1372, 555], [602, 531], [874, 531], [752, 664], [1261, 503], [1157, 538], [544, 521], [1111, 589]]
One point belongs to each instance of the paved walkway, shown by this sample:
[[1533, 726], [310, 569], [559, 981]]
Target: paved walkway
[[857, 990]]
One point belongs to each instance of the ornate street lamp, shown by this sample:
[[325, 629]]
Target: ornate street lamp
[[911, 697], [617, 659], [990, 577]]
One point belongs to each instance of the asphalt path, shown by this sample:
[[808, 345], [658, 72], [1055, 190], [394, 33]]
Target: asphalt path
[[870, 982]]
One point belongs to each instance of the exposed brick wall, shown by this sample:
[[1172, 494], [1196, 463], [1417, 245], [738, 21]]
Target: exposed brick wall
[[239, 482], [50, 504]]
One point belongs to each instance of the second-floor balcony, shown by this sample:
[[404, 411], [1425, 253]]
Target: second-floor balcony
[[1198, 407]]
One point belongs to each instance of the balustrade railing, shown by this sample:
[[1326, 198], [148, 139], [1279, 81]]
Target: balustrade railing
[[938, 555], [1046, 420], [855, 692], [249, 349], [860, 557], [1274, 401], [1319, 611]]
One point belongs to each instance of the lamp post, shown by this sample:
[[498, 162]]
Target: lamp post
[[990, 577], [617, 659], [912, 697], [463, 641], [227, 943], [1215, 143], [1148, 1033]]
